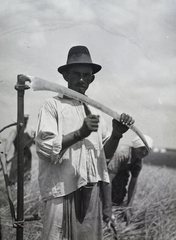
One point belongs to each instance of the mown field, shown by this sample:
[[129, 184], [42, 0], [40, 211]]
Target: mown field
[[154, 208]]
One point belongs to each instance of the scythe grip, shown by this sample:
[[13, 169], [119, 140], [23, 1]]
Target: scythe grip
[[21, 80]]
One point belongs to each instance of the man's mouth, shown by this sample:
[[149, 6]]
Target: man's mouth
[[80, 86]]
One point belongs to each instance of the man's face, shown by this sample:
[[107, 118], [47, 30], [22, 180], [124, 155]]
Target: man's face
[[141, 152], [79, 77]]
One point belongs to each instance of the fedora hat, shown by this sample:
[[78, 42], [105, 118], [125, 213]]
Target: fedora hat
[[79, 55]]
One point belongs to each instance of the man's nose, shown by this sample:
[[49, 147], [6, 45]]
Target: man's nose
[[81, 79]]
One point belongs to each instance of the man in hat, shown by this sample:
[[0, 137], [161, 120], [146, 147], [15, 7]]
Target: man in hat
[[124, 169], [73, 143], [28, 141]]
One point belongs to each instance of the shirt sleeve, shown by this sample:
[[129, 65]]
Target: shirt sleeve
[[114, 164], [48, 134], [120, 159]]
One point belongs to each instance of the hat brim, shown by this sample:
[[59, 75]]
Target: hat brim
[[95, 67]]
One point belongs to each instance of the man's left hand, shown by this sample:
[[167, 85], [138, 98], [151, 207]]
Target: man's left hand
[[120, 127]]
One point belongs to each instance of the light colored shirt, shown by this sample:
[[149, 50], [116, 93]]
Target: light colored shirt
[[122, 160], [83, 162]]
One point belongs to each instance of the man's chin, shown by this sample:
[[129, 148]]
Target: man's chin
[[81, 90]]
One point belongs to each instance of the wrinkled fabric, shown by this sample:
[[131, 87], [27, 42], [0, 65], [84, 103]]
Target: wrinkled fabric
[[76, 216], [83, 162], [122, 161], [52, 219]]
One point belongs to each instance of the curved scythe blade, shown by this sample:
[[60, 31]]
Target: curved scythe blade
[[39, 84]]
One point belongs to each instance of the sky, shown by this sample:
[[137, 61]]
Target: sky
[[133, 41]]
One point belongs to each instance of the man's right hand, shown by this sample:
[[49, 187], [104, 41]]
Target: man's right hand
[[90, 124]]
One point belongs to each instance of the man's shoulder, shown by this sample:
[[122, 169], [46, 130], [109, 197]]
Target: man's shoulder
[[120, 159], [124, 149], [53, 99], [123, 154], [50, 101]]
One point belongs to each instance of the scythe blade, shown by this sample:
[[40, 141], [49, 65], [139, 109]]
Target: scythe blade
[[39, 84]]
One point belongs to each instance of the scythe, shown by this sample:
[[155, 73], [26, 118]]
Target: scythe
[[38, 84]]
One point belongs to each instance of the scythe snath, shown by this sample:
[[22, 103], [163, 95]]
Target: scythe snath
[[18, 221], [20, 87]]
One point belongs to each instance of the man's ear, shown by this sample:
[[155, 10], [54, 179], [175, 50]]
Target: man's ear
[[92, 77], [65, 76]]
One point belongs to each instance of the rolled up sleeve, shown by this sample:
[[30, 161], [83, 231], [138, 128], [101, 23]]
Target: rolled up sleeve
[[48, 134]]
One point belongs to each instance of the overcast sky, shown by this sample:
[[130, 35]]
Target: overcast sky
[[133, 41]]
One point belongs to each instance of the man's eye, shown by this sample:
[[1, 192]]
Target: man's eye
[[87, 75], [75, 73]]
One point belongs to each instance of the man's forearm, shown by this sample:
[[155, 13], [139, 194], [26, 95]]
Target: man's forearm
[[70, 139], [131, 191], [111, 145]]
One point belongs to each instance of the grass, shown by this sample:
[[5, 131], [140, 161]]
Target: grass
[[32, 205], [154, 207]]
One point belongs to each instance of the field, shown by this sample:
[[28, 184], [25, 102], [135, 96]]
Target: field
[[154, 208]]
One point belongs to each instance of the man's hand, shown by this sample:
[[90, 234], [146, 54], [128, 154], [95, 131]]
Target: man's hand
[[90, 124], [120, 127]]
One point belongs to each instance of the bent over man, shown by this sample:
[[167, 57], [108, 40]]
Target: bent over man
[[124, 169], [73, 143], [29, 135]]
